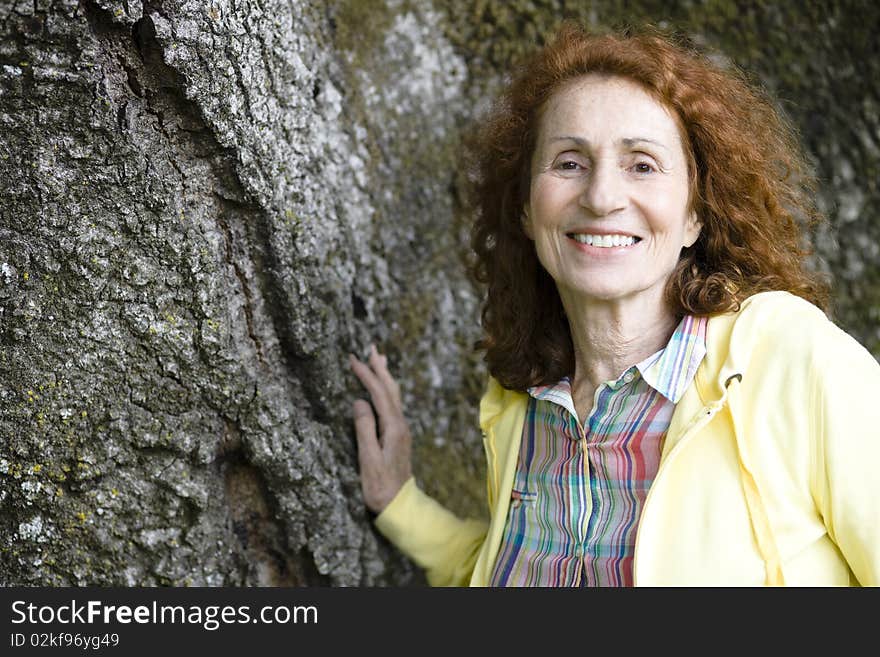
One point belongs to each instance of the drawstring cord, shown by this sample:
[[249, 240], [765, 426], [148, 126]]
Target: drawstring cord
[[757, 511]]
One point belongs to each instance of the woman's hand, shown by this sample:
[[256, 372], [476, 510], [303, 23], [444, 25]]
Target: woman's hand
[[386, 460]]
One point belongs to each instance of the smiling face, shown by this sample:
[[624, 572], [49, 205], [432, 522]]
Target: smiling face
[[608, 202]]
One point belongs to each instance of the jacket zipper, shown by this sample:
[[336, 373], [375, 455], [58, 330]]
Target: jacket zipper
[[492, 467]]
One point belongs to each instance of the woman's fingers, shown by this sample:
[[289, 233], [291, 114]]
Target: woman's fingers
[[369, 450], [382, 398], [379, 363], [371, 463]]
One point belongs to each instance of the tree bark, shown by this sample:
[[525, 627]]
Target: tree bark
[[207, 205]]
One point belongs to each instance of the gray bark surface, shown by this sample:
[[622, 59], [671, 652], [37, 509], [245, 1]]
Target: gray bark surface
[[204, 206]]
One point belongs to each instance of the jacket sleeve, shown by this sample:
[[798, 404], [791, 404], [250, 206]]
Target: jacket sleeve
[[432, 536], [846, 452]]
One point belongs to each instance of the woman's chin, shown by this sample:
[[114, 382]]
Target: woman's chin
[[608, 292]]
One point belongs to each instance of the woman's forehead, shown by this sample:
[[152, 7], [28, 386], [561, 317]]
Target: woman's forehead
[[593, 108]]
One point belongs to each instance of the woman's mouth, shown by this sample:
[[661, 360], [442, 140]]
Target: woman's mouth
[[604, 241]]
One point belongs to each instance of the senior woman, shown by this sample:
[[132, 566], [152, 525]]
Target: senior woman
[[668, 403]]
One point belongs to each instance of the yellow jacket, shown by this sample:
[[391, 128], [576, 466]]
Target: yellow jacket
[[770, 471]]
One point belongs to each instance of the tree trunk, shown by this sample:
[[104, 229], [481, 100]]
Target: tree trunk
[[207, 205]]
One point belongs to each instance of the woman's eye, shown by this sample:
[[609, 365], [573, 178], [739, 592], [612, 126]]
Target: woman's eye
[[568, 165], [643, 167]]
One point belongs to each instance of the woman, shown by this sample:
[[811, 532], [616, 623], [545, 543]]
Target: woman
[[668, 404]]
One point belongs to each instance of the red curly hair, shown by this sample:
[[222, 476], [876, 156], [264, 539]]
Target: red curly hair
[[749, 186]]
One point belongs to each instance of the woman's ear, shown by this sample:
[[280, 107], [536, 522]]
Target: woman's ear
[[526, 220], [692, 229]]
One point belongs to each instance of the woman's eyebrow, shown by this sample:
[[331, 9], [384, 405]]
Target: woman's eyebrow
[[629, 142]]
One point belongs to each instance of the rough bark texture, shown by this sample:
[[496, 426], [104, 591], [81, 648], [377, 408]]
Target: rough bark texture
[[207, 205]]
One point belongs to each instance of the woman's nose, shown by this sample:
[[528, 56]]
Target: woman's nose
[[604, 190]]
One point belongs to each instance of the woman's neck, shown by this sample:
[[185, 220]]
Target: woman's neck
[[611, 336]]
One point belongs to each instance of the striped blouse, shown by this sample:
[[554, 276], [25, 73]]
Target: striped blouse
[[578, 490]]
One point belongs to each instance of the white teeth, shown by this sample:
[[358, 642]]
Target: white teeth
[[604, 241]]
